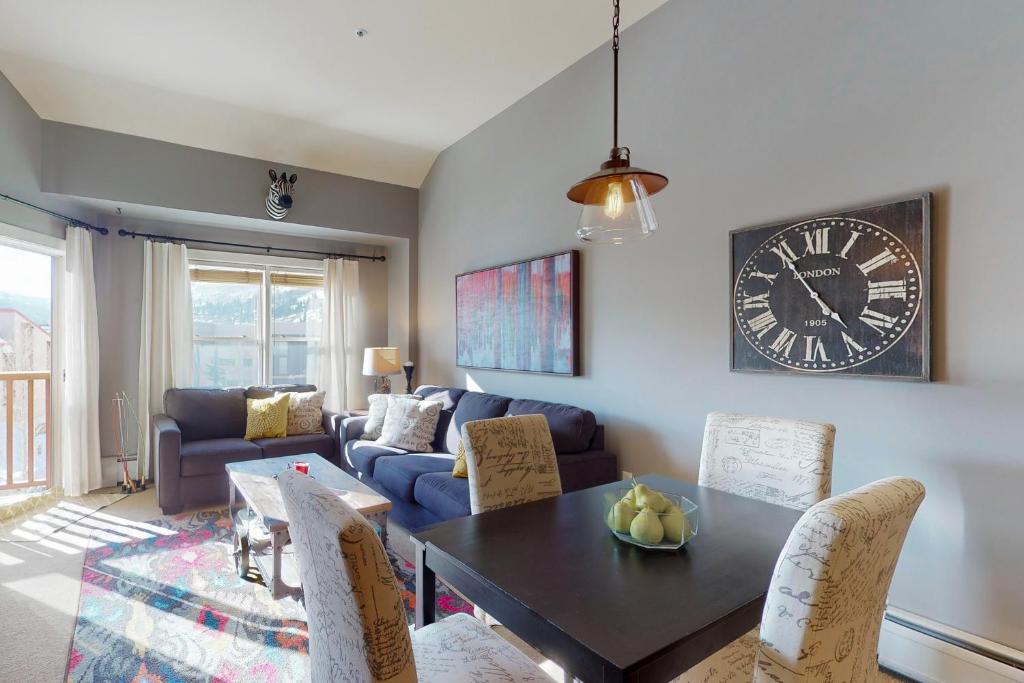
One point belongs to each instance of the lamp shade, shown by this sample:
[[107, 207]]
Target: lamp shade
[[381, 360]]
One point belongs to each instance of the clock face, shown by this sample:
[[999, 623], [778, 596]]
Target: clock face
[[831, 294]]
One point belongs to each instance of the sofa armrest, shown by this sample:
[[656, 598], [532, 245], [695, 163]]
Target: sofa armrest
[[165, 441], [332, 423], [590, 468], [353, 427]]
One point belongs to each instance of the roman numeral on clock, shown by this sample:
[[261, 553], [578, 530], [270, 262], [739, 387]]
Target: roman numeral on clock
[[817, 241], [852, 347], [755, 301], [815, 349], [762, 323], [767, 277], [879, 322], [877, 262], [784, 252], [889, 289], [849, 243], [784, 342]]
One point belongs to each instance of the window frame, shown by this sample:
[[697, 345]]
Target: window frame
[[267, 266]]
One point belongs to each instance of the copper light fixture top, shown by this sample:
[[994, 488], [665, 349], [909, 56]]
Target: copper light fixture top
[[617, 165]]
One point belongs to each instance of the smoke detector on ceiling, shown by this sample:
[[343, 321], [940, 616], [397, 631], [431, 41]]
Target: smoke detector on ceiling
[[361, 33]]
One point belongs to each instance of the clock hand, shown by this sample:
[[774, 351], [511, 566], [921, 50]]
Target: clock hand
[[814, 295]]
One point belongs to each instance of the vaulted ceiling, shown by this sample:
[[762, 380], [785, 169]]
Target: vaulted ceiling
[[292, 82]]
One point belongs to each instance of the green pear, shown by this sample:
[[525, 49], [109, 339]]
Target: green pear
[[653, 500], [630, 498], [677, 526], [620, 517], [646, 527]]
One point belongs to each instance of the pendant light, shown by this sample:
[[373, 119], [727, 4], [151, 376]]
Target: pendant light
[[616, 200]]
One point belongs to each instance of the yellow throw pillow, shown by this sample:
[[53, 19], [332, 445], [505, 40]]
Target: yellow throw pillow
[[266, 418], [460, 469]]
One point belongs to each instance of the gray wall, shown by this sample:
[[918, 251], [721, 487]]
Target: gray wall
[[760, 111]]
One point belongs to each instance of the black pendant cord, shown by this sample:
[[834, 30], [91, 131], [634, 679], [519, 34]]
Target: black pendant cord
[[169, 238], [615, 77], [74, 222]]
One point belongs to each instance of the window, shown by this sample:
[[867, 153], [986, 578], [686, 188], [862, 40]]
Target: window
[[257, 324]]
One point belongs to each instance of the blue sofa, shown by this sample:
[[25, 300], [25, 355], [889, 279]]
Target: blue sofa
[[421, 487]]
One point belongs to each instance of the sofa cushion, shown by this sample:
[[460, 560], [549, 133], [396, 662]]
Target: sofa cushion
[[449, 398], [474, 405], [572, 428], [442, 494], [210, 455], [204, 414], [398, 473], [361, 455], [410, 424], [268, 390], [300, 444]]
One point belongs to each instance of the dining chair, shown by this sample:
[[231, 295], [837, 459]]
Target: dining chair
[[357, 623], [777, 460], [826, 599], [511, 460]]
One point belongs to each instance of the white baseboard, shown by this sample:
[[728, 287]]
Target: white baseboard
[[930, 659]]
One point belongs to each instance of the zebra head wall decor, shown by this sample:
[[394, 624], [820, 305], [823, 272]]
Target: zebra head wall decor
[[279, 197]]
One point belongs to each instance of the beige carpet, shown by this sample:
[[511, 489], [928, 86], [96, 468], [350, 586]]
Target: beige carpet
[[37, 517], [40, 583]]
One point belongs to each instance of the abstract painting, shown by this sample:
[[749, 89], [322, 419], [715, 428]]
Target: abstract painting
[[522, 316]]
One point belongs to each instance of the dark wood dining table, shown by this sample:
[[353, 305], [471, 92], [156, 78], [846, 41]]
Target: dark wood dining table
[[553, 574]]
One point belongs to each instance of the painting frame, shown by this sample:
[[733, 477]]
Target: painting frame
[[573, 309]]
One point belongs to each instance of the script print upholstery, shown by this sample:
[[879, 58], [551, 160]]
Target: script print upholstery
[[357, 624], [777, 460], [358, 630], [827, 596], [511, 460]]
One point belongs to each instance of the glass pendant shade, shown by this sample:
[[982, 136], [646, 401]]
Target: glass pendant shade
[[616, 210]]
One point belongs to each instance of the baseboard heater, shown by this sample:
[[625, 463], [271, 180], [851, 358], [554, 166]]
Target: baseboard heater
[[933, 652]]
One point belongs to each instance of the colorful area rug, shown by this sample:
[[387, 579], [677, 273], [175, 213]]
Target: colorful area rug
[[163, 603]]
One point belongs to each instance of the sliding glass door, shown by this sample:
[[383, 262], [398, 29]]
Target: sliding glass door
[[25, 349]]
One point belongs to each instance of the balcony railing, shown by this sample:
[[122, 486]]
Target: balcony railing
[[24, 429]]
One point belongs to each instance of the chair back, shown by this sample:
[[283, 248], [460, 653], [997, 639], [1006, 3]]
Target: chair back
[[826, 599], [358, 630], [777, 460], [510, 460]]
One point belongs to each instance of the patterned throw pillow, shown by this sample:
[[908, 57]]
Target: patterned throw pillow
[[410, 424], [378, 404], [305, 412], [460, 470], [266, 418]]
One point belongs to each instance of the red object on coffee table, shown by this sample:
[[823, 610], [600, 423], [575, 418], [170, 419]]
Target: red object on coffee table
[[302, 467]]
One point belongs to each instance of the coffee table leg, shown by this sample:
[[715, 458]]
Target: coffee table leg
[[426, 588], [277, 587]]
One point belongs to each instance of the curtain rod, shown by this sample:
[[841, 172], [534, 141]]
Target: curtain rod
[[168, 238], [71, 221]]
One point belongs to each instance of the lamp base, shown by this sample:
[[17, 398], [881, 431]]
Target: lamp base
[[382, 385]]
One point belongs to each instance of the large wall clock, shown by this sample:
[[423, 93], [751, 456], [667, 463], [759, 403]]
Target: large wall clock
[[843, 293]]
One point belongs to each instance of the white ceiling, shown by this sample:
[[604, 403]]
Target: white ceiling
[[291, 82]]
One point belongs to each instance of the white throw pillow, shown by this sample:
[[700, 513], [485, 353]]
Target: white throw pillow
[[378, 408], [409, 424], [305, 412]]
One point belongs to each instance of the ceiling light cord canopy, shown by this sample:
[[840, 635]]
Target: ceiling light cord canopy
[[616, 200]]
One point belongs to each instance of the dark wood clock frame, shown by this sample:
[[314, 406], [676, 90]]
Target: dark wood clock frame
[[904, 223]]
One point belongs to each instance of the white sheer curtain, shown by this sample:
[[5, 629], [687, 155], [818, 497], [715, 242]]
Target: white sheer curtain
[[79, 361], [165, 355], [339, 339]]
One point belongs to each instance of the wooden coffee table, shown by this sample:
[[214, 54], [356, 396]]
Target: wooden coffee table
[[261, 522]]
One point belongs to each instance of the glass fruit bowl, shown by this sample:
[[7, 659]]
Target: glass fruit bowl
[[641, 524]]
